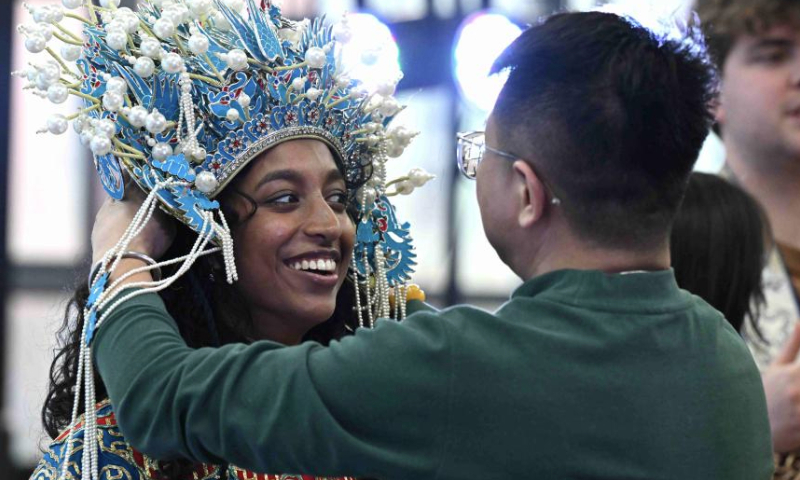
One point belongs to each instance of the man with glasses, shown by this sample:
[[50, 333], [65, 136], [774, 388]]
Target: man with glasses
[[598, 367]]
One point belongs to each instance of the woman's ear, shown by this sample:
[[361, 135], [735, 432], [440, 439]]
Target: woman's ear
[[531, 194]]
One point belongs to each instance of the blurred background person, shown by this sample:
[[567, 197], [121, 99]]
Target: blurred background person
[[719, 245], [756, 46]]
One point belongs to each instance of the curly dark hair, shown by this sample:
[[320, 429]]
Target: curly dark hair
[[722, 21], [208, 311]]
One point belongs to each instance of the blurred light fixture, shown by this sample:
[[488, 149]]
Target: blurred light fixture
[[481, 38], [371, 55]]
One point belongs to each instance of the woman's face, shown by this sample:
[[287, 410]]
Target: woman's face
[[293, 253]]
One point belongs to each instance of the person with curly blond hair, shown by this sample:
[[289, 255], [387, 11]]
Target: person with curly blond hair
[[756, 46]]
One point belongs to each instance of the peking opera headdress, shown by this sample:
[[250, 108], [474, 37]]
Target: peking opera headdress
[[182, 94]]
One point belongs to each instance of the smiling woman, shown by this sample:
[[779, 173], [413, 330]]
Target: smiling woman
[[295, 242], [272, 160]]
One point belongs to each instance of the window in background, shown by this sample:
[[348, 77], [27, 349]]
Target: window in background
[[33, 318], [428, 112], [48, 173]]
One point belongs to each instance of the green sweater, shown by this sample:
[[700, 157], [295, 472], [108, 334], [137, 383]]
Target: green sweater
[[579, 375]]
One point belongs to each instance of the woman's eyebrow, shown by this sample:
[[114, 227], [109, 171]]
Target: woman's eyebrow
[[288, 175], [334, 175], [771, 42]]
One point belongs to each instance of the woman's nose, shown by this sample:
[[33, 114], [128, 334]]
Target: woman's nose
[[322, 221]]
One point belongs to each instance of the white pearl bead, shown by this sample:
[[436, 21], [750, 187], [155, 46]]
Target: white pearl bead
[[394, 150], [79, 124], [100, 145], [235, 5], [71, 4], [389, 107], [109, 3], [151, 142], [198, 44], [161, 151], [45, 30], [236, 59], [155, 122], [386, 89], [58, 13], [43, 82], [200, 7], [378, 116], [232, 115], [151, 47], [35, 43], [128, 19], [172, 63], [138, 116], [342, 81], [57, 124], [57, 93], [86, 138], [164, 28], [70, 53], [221, 22], [43, 15], [299, 83], [206, 182], [113, 101], [117, 39], [313, 94], [244, 100], [106, 128], [315, 57], [144, 67], [199, 154], [117, 84], [419, 177]]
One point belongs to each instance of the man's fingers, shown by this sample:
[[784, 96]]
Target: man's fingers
[[792, 347]]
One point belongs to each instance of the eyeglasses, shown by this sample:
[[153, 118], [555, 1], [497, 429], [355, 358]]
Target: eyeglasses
[[470, 150]]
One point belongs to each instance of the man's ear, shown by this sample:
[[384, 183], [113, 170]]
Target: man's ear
[[530, 192]]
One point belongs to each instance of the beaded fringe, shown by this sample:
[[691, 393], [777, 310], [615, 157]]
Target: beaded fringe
[[210, 229]]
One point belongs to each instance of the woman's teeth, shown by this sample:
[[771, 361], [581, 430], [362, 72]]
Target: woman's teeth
[[318, 265]]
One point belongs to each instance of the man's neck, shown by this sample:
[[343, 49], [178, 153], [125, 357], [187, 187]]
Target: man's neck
[[570, 253], [776, 186]]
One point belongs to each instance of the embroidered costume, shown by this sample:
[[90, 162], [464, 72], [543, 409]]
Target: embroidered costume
[[118, 460]]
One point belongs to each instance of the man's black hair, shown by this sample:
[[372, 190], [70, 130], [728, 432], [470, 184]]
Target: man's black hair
[[613, 116]]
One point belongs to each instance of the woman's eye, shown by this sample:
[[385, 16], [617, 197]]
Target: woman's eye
[[283, 199], [338, 198], [771, 56]]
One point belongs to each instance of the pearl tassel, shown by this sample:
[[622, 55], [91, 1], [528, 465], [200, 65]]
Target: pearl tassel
[[209, 229]]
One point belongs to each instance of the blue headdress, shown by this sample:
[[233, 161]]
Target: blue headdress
[[182, 94]]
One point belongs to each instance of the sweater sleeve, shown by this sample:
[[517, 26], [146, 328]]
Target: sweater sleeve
[[373, 404]]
